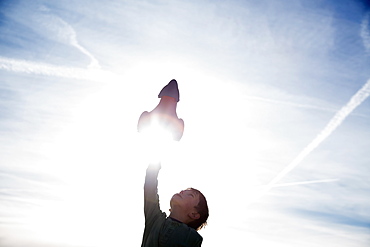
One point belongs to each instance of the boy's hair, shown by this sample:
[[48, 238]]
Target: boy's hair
[[202, 209]]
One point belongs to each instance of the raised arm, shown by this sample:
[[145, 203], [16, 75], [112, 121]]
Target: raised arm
[[151, 198]]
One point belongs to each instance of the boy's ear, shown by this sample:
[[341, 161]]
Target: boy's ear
[[194, 215]]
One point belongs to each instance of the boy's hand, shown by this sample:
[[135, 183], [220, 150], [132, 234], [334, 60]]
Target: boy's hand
[[154, 166]]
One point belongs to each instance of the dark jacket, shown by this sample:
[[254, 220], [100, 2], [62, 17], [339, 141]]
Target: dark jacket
[[160, 230]]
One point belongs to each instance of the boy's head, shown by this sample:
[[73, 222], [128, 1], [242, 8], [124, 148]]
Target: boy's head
[[190, 206]]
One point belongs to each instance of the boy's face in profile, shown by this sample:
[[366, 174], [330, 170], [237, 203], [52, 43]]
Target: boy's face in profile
[[186, 200]]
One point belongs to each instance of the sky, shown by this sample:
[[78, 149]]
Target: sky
[[273, 93]]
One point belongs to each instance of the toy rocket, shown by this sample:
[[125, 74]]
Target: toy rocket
[[164, 114]]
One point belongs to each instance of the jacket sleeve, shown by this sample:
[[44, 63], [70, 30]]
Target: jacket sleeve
[[151, 199]]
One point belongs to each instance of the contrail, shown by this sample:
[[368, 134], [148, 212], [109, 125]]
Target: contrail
[[72, 39], [29, 67], [307, 182], [58, 29], [338, 118], [273, 101], [293, 104]]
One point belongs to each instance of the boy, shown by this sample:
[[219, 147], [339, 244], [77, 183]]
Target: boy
[[188, 214]]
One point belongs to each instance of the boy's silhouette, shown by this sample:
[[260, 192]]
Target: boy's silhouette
[[188, 214]]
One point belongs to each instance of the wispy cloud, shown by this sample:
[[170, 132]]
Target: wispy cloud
[[62, 31], [30, 67], [61, 132], [290, 103], [339, 117], [307, 182]]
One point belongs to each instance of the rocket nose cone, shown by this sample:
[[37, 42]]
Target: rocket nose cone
[[173, 81], [173, 85], [171, 89]]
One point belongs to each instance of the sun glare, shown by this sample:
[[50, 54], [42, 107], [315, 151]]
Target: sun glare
[[155, 141], [99, 152]]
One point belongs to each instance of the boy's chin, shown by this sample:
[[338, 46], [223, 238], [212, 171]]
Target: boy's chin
[[176, 197], [174, 200]]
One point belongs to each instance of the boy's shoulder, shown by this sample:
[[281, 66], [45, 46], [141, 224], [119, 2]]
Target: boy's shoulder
[[175, 233]]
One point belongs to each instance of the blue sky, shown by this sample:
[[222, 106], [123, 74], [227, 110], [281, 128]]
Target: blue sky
[[274, 96]]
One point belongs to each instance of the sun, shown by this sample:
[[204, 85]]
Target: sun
[[155, 141]]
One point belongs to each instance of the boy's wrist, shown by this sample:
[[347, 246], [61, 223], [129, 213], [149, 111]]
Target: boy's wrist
[[155, 166]]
